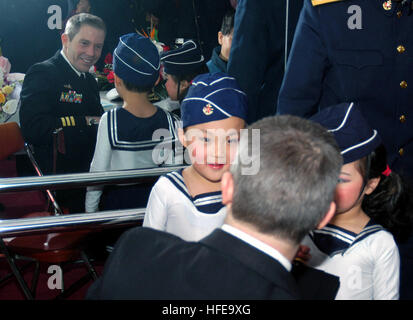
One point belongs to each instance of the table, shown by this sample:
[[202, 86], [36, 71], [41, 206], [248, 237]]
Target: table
[[109, 104]]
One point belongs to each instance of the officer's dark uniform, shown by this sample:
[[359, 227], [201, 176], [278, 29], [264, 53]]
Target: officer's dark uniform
[[53, 98], [258, 50], [358, 51]]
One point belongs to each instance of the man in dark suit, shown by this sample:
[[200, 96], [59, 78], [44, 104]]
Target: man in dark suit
[[60, 101], [268, 214]]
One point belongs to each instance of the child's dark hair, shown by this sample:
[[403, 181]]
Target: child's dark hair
[[390, 204], [134, 88], [228, 22], [187, 77]]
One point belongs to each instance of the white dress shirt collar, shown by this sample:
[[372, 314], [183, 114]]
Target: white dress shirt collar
[[259, 245], [67, 60]]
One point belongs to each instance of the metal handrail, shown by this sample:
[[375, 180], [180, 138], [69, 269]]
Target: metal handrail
[[70, 222], [63, 181]]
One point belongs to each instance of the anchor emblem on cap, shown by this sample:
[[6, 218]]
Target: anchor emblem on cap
[[208, 110], [387, 5]]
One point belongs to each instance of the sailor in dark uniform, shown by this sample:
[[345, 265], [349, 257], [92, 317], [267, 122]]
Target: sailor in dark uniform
[[357, 51]]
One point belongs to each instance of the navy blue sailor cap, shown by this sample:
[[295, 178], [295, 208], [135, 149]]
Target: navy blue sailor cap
[[353, 134], [136, 60], [213, 97], [184, 60]]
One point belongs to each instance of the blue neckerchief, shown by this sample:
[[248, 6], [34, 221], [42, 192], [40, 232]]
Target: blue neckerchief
[[210, 202], [334, 240]]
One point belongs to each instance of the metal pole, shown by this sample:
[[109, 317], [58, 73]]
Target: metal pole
[[70, 222], [64, 181]]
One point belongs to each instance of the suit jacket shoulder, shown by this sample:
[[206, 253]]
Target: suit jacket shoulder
[[315, 284], [150, 264], [49, 66]]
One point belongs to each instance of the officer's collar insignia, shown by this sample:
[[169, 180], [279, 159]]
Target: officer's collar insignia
[[208, 110], [387, 5], [67, 86]]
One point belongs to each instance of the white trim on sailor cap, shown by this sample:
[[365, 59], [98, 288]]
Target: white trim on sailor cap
[[361, 143], [344, 120], [174, 53]]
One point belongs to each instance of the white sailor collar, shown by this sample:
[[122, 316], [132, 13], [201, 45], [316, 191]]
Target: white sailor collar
[[209, 203]]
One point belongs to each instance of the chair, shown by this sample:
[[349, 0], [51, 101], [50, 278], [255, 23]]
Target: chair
[[51, 248], [11, 143], [11, 139]]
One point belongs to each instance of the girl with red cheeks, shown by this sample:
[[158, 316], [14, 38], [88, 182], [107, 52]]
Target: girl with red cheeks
[[373, 211]]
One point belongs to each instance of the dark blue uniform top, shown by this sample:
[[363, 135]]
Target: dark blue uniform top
[[259, 48], [356, 51]]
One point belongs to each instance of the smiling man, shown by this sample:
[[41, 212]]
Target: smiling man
[[60, 104]]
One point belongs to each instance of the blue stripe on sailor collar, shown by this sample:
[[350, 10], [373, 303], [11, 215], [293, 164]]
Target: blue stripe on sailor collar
[[334, 240], [117, 143], [209, 203]]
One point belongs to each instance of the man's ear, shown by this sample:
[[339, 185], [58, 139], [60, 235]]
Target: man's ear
[[65, 39], [328, 216], [372, 185], [227, 188]]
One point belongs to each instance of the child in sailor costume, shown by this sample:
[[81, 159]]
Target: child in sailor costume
[[188, 203], [125, 135], [180, 67], [358, 244]]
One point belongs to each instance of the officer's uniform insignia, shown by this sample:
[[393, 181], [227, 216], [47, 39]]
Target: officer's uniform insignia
[[387, 5], [208, 110], [67, 86], [68, 121], [319, 2], [71, 96]]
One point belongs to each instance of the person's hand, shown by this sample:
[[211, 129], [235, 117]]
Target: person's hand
[[303, 254]]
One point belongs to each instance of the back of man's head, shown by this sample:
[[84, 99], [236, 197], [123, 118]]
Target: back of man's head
[[75, 22], [299, 167]]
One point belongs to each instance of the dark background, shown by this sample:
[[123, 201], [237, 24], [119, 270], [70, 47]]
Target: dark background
[[26, 39]]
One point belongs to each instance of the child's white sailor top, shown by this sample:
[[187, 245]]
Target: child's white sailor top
[[367, 263], [171, 208], [125, 141]]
